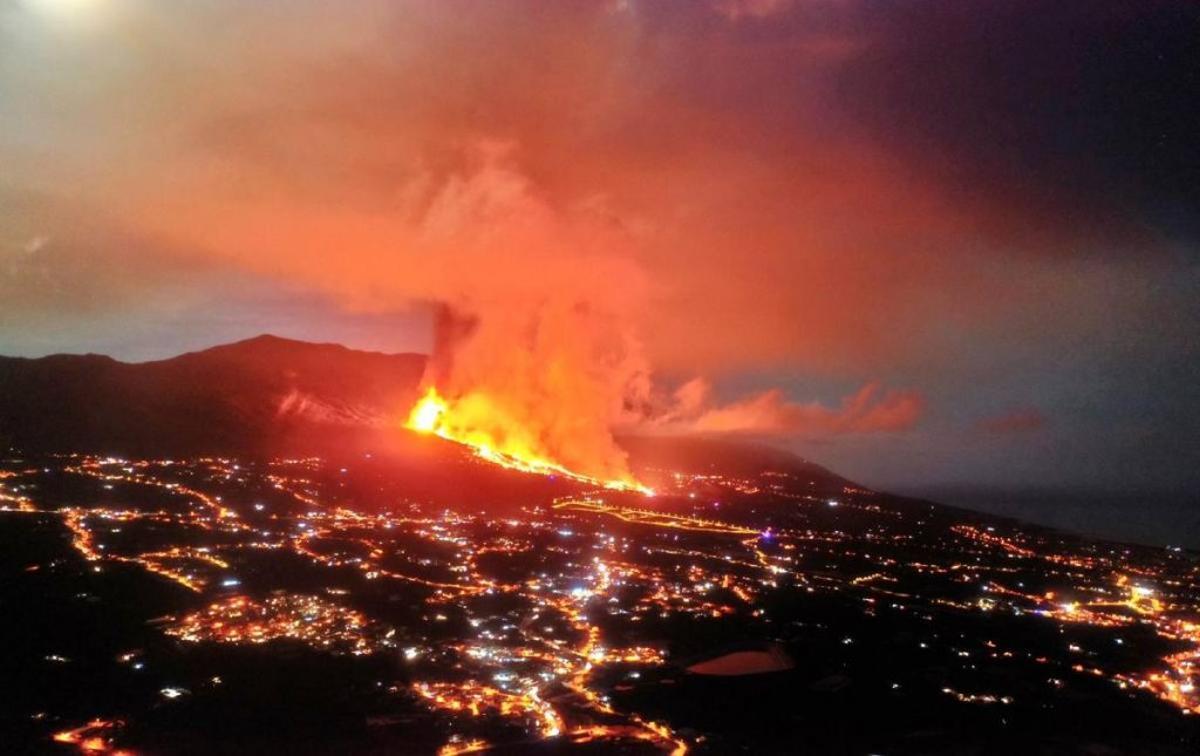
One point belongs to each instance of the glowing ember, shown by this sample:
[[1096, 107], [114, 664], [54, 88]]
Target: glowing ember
[[446, 419]]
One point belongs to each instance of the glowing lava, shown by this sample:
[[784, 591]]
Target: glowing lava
[[437, 415]]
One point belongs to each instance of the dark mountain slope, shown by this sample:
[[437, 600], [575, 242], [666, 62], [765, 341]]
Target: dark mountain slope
[[237, 398]]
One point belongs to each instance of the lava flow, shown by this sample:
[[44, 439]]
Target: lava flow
[[440, 416]]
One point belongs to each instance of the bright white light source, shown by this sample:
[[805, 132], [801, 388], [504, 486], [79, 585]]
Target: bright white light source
[[72, 12]]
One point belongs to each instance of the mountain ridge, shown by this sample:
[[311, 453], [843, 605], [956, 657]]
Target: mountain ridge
[[231, 398], [268, 395]]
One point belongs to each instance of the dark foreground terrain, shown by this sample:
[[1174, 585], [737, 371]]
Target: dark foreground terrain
[[425, 601]]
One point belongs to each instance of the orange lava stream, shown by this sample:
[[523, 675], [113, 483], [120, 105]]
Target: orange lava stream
[[433, 415], [92, 738], [653, 518]]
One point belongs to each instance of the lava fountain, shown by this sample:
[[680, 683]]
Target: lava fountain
[[514, 449]]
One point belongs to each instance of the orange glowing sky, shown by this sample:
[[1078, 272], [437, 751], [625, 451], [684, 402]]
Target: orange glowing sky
[[918, 243]]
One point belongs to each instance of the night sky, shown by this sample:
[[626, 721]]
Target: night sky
[[937, 246]]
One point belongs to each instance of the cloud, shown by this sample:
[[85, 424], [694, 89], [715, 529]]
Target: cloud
[[777, 193], [830, 189], [871, 409], [736, 10]]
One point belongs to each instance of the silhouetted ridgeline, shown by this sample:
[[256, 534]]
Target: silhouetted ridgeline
[[235, 398]]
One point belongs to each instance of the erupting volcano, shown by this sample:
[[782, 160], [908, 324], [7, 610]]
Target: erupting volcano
[[403, 376], [511, 445]]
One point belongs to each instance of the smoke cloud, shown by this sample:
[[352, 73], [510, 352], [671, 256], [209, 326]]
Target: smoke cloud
[[538, 331], [614, 198], [871, 409]]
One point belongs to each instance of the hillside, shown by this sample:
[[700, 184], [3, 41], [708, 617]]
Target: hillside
[[236, 398]]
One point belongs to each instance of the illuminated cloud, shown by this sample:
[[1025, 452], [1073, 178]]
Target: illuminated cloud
[[935, 195], [737, 9], [787, 196], [871, 409]]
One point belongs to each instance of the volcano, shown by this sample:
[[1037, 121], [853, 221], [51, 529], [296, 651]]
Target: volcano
[[270, 396]]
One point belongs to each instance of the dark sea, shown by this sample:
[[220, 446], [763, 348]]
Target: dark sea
[[1153, 519]]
